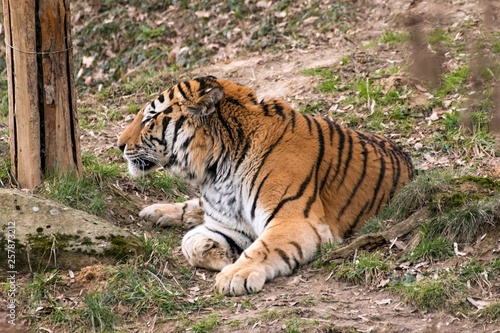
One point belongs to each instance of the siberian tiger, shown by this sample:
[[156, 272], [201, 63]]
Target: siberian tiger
[[275, 184]]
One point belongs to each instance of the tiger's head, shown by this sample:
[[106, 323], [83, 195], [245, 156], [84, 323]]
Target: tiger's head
[[168, 131]]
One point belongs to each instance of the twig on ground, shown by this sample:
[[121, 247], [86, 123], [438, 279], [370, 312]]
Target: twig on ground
[[377, 239]]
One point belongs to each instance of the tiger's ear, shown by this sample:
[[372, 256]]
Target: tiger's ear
[[206, 103]]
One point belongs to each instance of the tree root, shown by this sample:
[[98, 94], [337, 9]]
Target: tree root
[[374, 240]]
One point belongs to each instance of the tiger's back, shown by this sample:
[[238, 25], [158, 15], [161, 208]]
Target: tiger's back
[[315, 166], [276, 184], [356, 173]]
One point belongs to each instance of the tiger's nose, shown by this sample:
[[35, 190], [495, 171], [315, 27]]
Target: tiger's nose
[[122, 147]]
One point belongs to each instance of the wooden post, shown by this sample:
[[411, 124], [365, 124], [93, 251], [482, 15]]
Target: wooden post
[[44, 136]]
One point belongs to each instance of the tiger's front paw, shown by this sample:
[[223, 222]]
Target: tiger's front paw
[[238, 279], [163, 215]]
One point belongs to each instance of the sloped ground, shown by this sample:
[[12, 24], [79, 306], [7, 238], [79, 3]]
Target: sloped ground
[[310, 300], [314, 301]]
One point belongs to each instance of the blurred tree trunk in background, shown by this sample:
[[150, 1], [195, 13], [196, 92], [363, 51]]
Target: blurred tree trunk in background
[[44, 136]]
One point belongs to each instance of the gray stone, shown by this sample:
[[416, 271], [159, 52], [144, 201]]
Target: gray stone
[[37, 233]]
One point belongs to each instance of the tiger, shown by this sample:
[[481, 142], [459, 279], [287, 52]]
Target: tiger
[[275, 184]]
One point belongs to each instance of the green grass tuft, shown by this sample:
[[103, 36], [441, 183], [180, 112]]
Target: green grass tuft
[[438, 35], [367, 269], [393, 38], [79, 193], [491, 313], [42, 285], [375, 224], [453, 82], [207, 324], [312, 108], [90, 192], [4, 170], [142, 290], [163, 181], [470, 220], [98, 313], [328, 79], [462, 207], [418, 193], [428, 294], [431, 248]]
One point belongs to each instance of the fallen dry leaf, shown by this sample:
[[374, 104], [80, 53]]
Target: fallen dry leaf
[[87, 61], [194, 289], [202, 276], [479, 303], [383, 283], [384, 301], [433, 117]]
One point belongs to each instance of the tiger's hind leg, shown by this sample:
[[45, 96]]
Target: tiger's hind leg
[[213, 246], [189, 213]]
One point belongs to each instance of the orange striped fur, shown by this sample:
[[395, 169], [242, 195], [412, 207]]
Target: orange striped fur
[[275, 184]]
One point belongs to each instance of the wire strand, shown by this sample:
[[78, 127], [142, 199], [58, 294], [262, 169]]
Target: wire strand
[[41, 53]]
